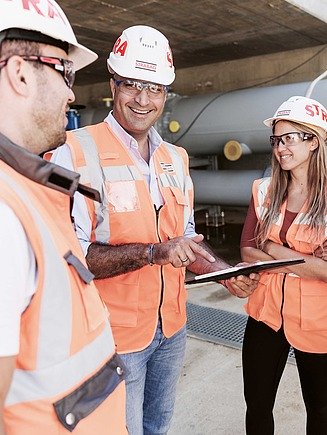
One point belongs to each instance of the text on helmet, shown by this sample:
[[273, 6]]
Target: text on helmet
[[146, 65], [170, 58], [315, 110], [44, 8], [120, 47]]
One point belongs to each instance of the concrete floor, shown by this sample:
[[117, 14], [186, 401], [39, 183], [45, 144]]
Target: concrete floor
[[210, 391]]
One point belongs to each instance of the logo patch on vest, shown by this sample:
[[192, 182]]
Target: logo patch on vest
[[167, 167]]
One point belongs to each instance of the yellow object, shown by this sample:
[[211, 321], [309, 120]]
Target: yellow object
[[107, 101], [233, 150], [174, 126]]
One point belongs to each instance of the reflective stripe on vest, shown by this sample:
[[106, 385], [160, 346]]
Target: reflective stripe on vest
[[259, 200], [38, 384], [94, 178], [57, 370]]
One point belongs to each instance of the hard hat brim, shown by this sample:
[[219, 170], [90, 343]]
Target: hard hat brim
[[81, 56], [269, 122]]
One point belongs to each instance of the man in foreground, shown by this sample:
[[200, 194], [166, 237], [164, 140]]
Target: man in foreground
[[58, 367]]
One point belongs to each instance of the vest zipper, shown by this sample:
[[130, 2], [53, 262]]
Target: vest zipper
[[283, 297], [157, 211]]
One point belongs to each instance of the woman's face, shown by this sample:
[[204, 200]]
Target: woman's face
[[292, 148]]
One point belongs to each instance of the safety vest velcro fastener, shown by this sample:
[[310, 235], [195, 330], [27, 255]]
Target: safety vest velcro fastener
[[88, 396], [76, 263]]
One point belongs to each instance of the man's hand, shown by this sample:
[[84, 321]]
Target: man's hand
[[180, 251], [242, 286]]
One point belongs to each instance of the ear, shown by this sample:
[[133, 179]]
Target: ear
[[112, 87], [314, 144], [18, 75]]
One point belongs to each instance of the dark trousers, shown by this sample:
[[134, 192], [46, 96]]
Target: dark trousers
[[264, 357]]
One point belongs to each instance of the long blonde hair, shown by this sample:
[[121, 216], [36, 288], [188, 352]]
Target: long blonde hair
[[317, 188]]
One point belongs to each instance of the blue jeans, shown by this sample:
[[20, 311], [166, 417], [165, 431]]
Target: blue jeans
[[151, 380]]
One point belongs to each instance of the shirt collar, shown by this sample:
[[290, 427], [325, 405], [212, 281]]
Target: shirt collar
[[154, 137]]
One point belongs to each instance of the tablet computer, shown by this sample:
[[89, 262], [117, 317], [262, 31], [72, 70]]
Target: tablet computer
[[259, 266]]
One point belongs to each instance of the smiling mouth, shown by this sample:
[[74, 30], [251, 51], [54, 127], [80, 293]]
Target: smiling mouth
[[140, 112]]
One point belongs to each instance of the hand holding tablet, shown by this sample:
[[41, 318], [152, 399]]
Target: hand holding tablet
[[260, 266]]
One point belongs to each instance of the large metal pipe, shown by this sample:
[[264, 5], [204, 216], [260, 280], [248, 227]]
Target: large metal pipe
[[204, 124], [224, 187]]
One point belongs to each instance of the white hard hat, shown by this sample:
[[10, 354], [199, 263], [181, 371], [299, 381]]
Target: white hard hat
[[302, 110], [48, 18], [142, 53]]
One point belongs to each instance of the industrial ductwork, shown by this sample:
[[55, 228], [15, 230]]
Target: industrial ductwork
[[229, 123], [204, 124]]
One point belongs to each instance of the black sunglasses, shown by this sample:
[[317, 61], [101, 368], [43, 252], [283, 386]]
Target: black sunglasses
[[64, 67]]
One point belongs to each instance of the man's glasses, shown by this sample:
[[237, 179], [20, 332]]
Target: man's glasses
[[63, 66], [289, 139], [134, 87]]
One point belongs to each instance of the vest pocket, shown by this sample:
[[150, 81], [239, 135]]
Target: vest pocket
[[121, 295], [77, 405], [179, 195], [265, 302], [314, 306], [94, 311], [122, 196]]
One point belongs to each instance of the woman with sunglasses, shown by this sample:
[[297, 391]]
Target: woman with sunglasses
[[287, 218]]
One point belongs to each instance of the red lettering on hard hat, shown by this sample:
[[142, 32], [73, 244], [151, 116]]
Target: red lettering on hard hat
[[170, 58], [52, 10], [120, 47], [116, 45], [26, 5], [318, 111], [309, 110], [317, 108]]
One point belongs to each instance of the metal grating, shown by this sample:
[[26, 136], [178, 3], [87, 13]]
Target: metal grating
[[217, 326]]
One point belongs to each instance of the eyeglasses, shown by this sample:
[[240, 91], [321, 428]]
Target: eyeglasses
[[134, 87], [289, 139], [64, 67]]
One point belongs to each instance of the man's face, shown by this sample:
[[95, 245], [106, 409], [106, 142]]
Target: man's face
[[52, 96], [136, 113]]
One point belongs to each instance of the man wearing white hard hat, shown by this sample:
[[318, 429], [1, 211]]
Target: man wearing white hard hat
[[287, 219], [59, 372], [140, 240]]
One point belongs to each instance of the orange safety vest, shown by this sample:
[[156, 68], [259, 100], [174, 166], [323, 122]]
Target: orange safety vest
[[128, 215], [67, 377], [299, 304]]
